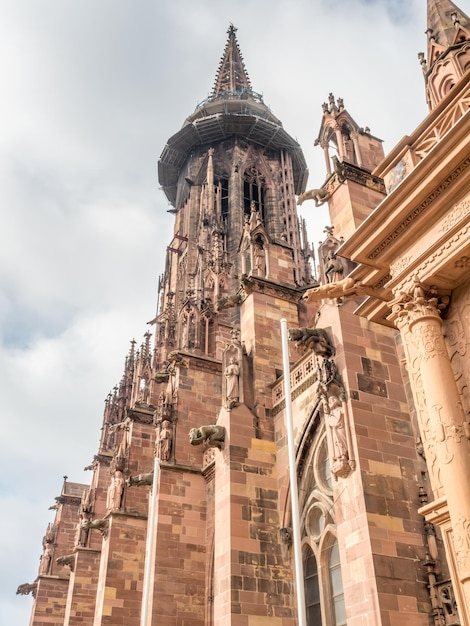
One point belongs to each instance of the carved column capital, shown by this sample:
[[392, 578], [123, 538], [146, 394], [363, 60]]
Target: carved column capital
[[419, 303]]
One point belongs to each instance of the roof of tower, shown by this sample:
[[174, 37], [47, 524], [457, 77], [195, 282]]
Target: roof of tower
[[443, 18], [232, 76], [232, 109]]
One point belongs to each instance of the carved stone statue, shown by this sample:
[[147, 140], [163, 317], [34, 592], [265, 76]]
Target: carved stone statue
[[140, 480], [335, 421], [165, 441], [115, 491], [259, 259], [232, 377], [334, 268], [212, 436], [46, 559]]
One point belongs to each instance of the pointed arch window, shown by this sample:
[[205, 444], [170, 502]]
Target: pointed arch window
[[336, 587], [254, 190], [312, 589]]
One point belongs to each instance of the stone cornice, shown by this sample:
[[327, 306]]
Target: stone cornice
[[141, 415], [199, 361], [254, 284]]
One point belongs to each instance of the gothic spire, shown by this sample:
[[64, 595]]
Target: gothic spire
[[232, 76], [444, 21]]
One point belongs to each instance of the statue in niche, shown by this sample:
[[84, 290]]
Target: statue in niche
[[143, 390], [334, 268], [335, 421], [165, 441], [259, 258], [115, 491], [232, 377], [46, 559]]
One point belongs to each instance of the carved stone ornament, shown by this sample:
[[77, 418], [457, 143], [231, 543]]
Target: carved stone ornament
[[212, 436]]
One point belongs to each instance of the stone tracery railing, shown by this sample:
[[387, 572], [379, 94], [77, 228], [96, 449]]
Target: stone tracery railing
[[302, 376]]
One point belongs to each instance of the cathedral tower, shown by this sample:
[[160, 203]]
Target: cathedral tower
[[187, 519]]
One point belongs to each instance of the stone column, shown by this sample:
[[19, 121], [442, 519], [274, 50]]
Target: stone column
[[357, 148], [417, 315], [339, 140]]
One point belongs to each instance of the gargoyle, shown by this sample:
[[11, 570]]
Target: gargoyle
[[318, 195], [140, 480], [212, 436], [27, 588], [341, 288], [66, 560], [315, 339], [228, 301], [97, 524], [339, 168]]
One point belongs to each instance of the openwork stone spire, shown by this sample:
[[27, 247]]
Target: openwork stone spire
[[232, 76]]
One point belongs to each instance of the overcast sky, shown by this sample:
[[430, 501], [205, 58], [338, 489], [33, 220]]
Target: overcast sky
[[92, 89]]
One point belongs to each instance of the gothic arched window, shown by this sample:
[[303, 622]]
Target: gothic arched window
[[312, 589], [336, 587], [254, 188]]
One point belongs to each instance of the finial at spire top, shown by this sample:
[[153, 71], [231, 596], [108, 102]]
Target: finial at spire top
[[232, 29]]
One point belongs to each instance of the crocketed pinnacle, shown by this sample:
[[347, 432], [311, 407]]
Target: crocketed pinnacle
[[232, 76]]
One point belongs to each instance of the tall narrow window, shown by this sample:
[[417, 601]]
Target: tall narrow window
[[337, 596], [224, 198], [253, 191], [312, 590]]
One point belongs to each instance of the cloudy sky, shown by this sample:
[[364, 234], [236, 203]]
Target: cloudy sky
[[91, 92]]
